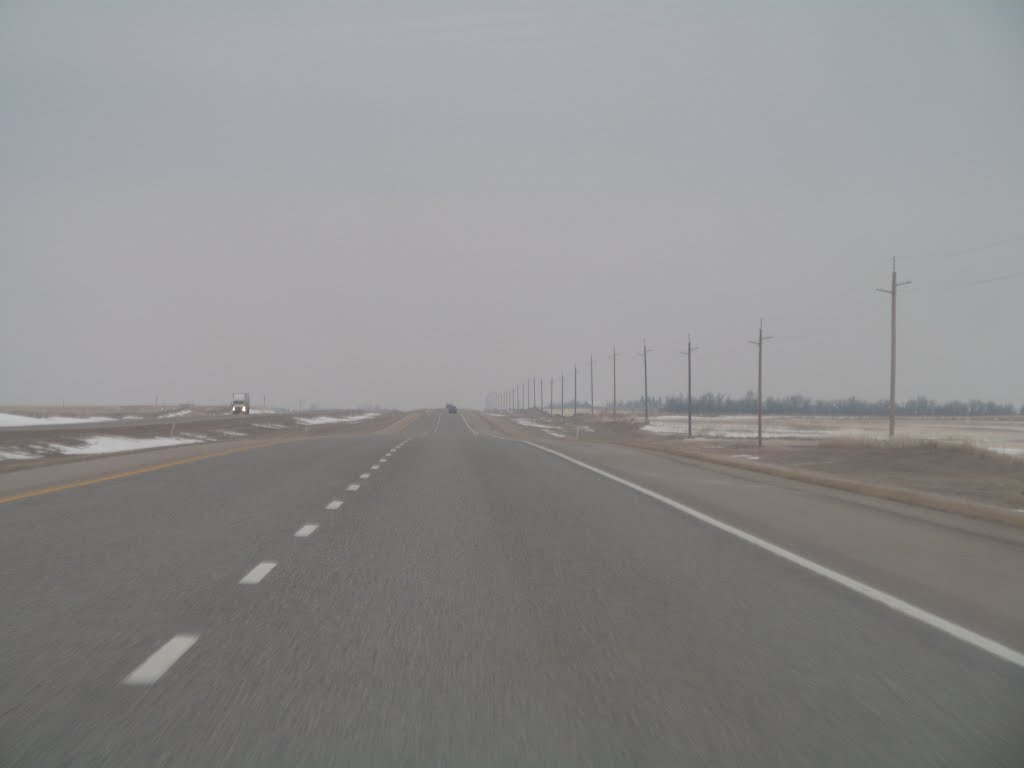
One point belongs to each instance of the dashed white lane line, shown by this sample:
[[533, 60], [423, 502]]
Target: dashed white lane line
[[889, 601], [305, 530], [153, 668], [375, 466], [438, 422], [353, 487], [467, 424], [384, 460], [255, 576], [364, 476], [335, 504]]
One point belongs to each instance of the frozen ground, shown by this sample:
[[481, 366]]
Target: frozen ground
[[1005, 436]]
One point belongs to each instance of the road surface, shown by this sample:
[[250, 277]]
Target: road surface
[[443, 596]]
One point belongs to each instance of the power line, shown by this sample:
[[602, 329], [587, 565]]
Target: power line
[[969, 250], [996, 279]]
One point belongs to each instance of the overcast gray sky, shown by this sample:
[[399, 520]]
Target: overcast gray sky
[[406, 203]]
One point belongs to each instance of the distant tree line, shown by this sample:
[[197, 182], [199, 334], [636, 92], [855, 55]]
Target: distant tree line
[[716, 404]]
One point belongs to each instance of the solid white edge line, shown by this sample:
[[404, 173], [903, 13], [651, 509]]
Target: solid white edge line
[[890, 601], [153, 668], [352, 487], [467, 424], [335, 504], [306, 530], [438, 422], [255, 576]]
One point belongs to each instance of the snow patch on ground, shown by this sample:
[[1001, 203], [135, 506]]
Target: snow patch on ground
[[175, 414], [113, 444], [997, 436], [735, 429], [271, 426], [314, 420], [15, 455], [1006, 450], [14, 420], [229, 433], [546, 428]]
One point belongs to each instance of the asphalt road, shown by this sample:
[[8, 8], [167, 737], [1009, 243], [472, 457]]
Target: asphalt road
[[476, 601]]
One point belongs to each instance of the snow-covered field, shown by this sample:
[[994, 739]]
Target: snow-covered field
[[314, 420], [115, 444], [96, 445], [1005, 436], [14, 420]]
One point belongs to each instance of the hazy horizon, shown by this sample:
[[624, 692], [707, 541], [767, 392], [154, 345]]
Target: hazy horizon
[[406, 205]]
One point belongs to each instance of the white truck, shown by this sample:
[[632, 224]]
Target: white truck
[[240, 403]]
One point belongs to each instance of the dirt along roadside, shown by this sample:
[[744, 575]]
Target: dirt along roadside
[[947, 476]]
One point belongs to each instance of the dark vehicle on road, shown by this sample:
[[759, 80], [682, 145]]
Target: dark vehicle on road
[[452, 408]]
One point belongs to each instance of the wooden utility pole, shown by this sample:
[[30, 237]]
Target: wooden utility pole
[[761, 339], [892, 350], [591, 385], [575, 371], [551, 396], [615, 393], [647, 418], [690, 349], [563, 395]]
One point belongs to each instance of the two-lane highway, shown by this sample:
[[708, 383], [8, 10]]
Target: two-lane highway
[[443, 596]]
